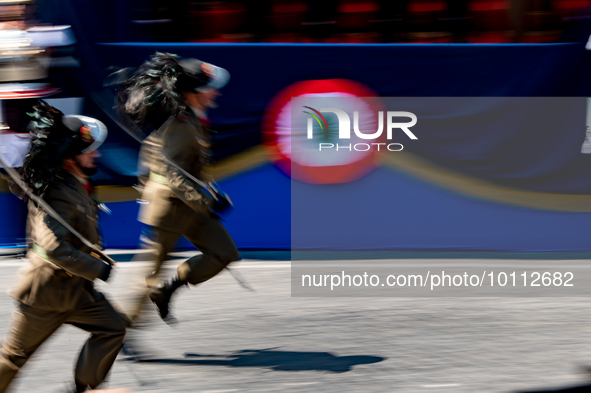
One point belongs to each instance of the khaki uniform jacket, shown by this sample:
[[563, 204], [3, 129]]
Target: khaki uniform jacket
[[174, 201], [61, 280]]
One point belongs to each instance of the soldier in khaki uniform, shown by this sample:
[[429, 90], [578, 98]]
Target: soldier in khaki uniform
[[174, 204], [56, 286]]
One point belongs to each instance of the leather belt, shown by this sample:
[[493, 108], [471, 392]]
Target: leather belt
[[161, 179], [158, 178]]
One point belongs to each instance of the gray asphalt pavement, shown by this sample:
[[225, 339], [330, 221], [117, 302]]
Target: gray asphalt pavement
[[232, 340]]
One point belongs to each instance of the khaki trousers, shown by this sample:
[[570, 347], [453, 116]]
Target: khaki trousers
[[30, 327], [209, 236]]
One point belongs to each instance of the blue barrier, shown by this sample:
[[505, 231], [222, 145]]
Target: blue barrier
[[274, 213]]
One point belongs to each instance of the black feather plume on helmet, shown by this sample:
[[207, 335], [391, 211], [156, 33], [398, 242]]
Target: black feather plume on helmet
[[152, 93], [51, 143]]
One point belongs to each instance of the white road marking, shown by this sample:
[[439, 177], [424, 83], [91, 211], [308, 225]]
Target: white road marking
[[124, 252], [135, 264]]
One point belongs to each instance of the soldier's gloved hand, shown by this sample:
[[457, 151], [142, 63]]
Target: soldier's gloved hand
[[223, 203], [106, 272]]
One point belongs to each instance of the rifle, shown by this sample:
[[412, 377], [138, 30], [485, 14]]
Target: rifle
[[45, 206], [222, 200]]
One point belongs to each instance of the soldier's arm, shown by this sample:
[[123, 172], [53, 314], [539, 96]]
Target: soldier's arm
[[145, 156], [57, 242], [143, 167], [181, 146]]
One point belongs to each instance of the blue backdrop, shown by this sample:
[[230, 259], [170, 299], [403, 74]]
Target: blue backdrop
[[434, 217]]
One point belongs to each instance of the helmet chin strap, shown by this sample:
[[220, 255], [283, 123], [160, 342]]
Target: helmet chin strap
[[89, 171]]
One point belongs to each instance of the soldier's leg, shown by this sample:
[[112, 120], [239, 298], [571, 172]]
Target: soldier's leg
[[107, 327], [162, 242], [217, 248], [29, 328]]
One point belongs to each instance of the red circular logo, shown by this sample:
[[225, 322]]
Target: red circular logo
[[296, 154]]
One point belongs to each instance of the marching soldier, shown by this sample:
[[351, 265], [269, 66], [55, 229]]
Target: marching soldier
[[174, 204], [56, 286]]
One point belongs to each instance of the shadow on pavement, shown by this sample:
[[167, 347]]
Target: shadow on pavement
[[276, 360], [575, 389]]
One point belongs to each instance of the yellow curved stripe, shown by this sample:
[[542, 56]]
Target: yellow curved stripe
[[403, 162], [110, 194], [241, 162], [249, 159], [471, 186], [3, 185]]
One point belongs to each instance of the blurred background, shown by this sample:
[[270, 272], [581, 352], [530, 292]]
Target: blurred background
[[500, 170], [488, 173], [346, 21]]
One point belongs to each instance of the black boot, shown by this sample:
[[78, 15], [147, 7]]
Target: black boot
[[161, 295]]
